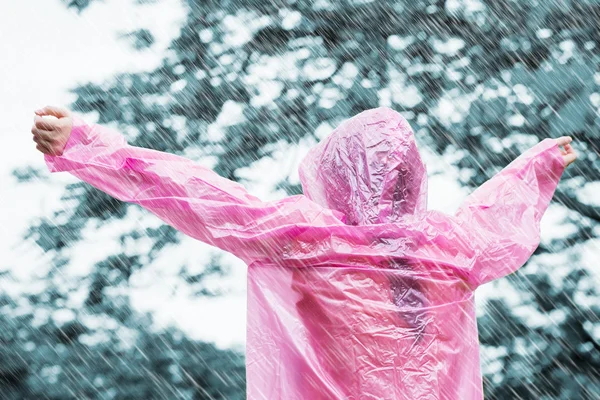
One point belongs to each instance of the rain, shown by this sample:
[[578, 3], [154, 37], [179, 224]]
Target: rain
[[103, 299]]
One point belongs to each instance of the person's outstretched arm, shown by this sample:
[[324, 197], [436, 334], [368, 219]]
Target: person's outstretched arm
[[503, 215], [191, 198]]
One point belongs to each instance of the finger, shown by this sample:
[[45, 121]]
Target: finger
[[568, 148], [569, 158], [56, 111], [563, 140], [43, 134], [40, 140], [44, 149], [45, 123]]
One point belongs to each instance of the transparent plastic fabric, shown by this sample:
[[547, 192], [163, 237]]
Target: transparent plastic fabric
[[355, 289]]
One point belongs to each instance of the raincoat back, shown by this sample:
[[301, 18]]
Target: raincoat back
[[355, 289]]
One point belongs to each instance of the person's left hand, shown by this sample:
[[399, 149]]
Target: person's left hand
[[567, 151]]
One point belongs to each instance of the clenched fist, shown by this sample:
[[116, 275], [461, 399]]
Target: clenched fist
[[52, 134]]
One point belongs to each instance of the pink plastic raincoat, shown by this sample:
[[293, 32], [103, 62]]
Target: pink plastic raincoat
[[355, 289]]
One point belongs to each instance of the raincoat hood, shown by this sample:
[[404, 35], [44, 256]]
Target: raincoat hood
[[368, 168]]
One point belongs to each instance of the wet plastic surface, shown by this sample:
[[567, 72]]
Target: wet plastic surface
[[355, 289]]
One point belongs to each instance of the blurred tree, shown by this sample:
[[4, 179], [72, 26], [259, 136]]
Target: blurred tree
[[490, 77], [553, 352], [121, 359]]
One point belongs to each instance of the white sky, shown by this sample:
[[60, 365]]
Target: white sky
[[46, 50]]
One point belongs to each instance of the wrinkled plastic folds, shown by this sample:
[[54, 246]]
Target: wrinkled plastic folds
[[355, 289]]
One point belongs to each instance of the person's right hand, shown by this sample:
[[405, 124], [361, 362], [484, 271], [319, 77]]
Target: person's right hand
[[567, 152], [52, 134]]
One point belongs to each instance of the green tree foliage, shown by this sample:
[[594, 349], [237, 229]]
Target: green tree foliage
[[550, 353], [489, 77], [122, 359]]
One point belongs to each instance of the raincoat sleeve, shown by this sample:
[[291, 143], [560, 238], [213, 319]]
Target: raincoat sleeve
[[502, 216], [189, 197]]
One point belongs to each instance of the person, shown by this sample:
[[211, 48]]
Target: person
[[355, 289]]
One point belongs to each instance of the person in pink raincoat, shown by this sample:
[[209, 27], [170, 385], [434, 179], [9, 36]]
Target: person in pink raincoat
[[355, 289]]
